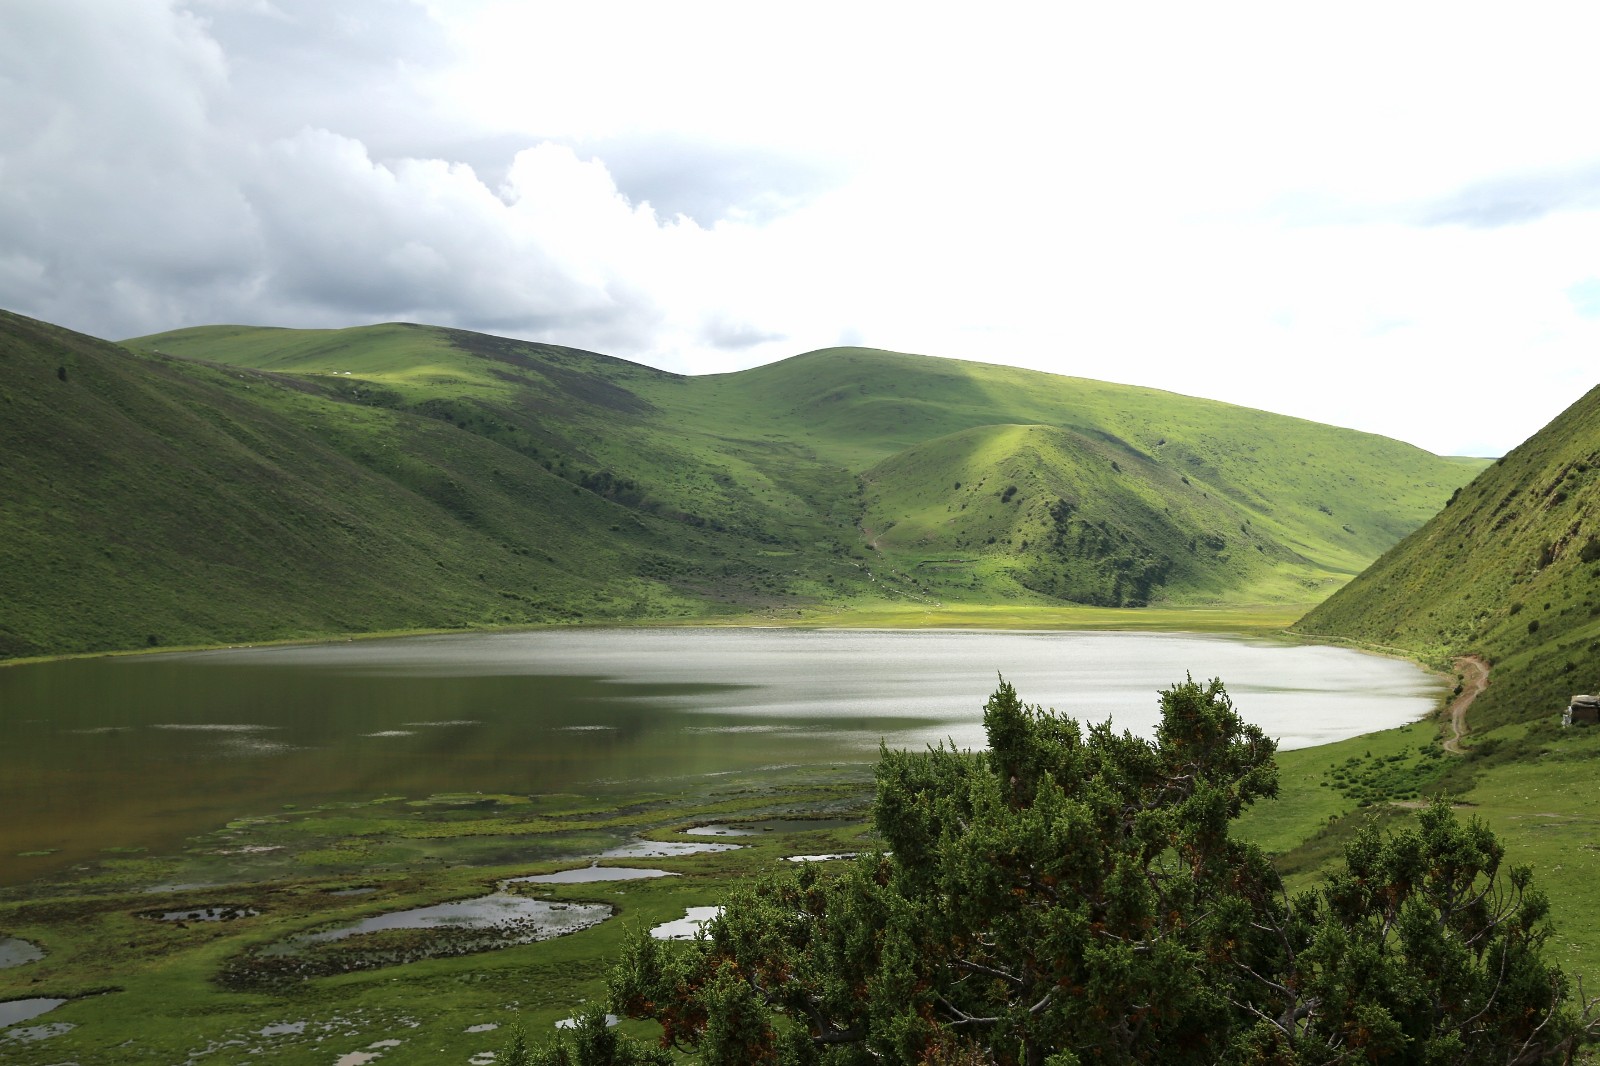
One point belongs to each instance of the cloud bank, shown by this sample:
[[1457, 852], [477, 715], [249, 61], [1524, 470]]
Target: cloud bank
[[1382, 219]]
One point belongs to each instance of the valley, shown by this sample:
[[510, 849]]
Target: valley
[[247, 486]]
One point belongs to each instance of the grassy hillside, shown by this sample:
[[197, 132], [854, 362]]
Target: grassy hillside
[[151, 500], [985, 482], [1232, 504], [233, 483], [1510, 570]]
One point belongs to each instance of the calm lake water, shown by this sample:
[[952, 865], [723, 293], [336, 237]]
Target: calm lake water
[[142, 752]]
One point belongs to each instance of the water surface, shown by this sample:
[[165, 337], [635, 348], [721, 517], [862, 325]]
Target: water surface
[[103, 757]]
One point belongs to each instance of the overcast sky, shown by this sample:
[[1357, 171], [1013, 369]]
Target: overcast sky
[[1381, 216]]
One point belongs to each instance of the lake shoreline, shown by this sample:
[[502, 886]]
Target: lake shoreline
[[1264, 620]]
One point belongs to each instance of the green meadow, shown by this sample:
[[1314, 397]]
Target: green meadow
[[143, 989]]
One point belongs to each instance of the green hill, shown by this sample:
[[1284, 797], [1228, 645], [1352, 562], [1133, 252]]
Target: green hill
[[233, 483], [153, 500], [1187, 501], [1510, 570]]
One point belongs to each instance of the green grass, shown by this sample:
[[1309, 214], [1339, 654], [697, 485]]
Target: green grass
[[165, 993], [1534, 787], [163, 999], [1309, 797], [1539, 798], [228, 483], [1510, 570]]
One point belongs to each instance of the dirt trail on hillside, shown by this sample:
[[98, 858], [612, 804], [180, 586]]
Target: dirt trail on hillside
[[1474, 679]]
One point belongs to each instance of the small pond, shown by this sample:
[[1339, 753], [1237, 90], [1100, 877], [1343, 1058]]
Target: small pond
[[14, 951], [443, 930], [585, 875], [664, 849], [686, 927], [13, 1011], [518, 919]]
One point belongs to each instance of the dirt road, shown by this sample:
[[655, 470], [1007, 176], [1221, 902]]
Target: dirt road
[[1474, 679]]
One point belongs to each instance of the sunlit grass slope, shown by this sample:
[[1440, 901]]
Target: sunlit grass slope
[[1510, 570], [598, 422], [157, 501], [234, 483], [1122, 495]]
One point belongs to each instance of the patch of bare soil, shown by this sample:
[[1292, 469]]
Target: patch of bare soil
[[1474, 679]]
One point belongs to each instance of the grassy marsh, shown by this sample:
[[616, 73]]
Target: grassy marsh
[[143, 990]]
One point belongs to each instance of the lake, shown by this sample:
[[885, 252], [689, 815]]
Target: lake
[[110, 755]]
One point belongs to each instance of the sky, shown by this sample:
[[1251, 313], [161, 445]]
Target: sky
[[1382, 216]]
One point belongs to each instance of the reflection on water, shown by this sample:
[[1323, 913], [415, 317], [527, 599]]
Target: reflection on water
[[517, 919], [687, 927], [20, 1010], [586, 875], [663, 849], [14, 951], [146, 751]]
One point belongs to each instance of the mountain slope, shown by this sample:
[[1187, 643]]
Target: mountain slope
[[1296, 508], [236, 483], [1077, 518], [1510, 570], [152, 500]]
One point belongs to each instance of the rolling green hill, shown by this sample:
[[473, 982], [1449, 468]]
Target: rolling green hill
[[1510, 570], [233, 483], [1242, 505], [152, 500]]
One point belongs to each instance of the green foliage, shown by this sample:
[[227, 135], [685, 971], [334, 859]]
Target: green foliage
[[1401, 775], [516, 1051], [594, 1043], [1075, 896], [1422, 950]]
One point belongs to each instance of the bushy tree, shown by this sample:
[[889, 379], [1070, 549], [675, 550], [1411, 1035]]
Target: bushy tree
[[1422, 950], [1073, 896], [516, 1052]]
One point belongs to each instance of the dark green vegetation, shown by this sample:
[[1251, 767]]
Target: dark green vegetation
[[228, 484], [1069, 898], [1509, 571]]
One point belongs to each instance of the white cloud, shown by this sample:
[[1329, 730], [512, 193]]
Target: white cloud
[[1382, 216]]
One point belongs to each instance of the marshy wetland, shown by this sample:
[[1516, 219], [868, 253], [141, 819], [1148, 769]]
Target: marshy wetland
[[397, 848]]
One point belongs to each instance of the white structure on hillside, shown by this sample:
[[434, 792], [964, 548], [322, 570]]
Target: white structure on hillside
[[1584, 710]]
